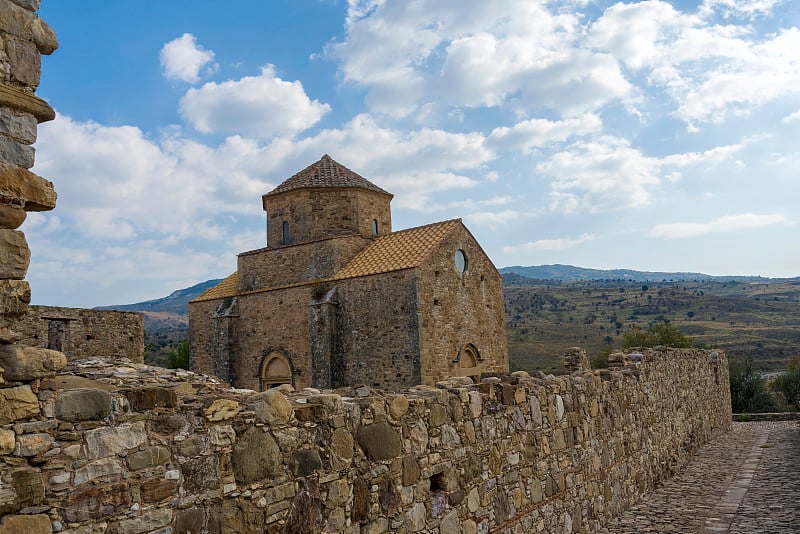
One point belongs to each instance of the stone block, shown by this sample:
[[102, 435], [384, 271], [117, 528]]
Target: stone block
[[7, 441], [22, 23], [95, 502], [83, 404], [311, 413], [379, 441], [271, 407], [200, 474], [26, 63], [255, 456], [155, 490], [147, 398], [15, 295], [190, 521], [20, 488], [105, 467], [14, 255], [36, 193], [108, 441], [33, 444], [15, 153], [222, 409], [11, 216], [18, 125], [26, 524], [147, 522], [23, 364], [150, 457], [305, 462], [17, 403]]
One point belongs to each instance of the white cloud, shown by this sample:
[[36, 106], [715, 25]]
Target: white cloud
[[262, 106], [748, 9], [608, 173], [182, 59], [791, 117], [549, 244], [727, 223], [535, 133], [473, 54]]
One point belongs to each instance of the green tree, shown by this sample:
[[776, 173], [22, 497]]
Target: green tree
[[789, 382], [748, 394], [179, 358], [660, 333]]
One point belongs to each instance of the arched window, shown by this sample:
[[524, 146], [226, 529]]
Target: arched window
[[285, 233], [275, 370], [374, 227], [467, 362], [460, 259]]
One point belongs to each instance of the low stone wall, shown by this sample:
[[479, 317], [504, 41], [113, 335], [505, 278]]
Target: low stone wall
[[126, 448], [84, 333]]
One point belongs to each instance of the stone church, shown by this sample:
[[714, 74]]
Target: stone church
[[337, 298]]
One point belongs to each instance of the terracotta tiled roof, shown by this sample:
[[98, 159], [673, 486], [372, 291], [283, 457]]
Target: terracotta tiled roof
[[229, 287], [326, 173], [396, 251]]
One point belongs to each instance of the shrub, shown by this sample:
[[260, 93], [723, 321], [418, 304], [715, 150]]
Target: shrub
[[748, 394], [179, 358], [660, 333], [789, 382]]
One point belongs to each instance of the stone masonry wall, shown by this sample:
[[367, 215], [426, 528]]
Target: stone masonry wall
[[460, 308], [85, 333], [133, 449]]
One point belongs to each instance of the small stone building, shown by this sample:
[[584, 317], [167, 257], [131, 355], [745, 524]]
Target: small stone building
[[337, 298]]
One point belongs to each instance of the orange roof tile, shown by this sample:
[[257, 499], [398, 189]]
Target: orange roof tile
[[404, 249], [396, 251], [229, 287]]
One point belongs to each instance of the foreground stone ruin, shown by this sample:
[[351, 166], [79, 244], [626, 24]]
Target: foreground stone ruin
[[123, 447]]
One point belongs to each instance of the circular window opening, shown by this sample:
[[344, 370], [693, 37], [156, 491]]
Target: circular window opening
[[461, 261]]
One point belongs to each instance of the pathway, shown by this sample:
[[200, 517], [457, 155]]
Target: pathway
[[747, 481]]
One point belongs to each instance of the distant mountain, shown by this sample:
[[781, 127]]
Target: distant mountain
[[176, 303], [572, 273]]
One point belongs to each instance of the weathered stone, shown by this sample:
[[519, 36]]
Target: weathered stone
[[145, 399], [311, 413], [222, 409], [377, 526], [83, 404], [388, 497], [306, 512], [18, 125], [475, 403], [95, 502], [24, 364], [105, 467], [411, 470], [36, 193], [31, 5], [20, 488], [255, 457], [33, 444], [26, 63], [190, 521], [361, 505], [14, 254], [192, 446], [17, 403], [342, 443], [26, 524], [379, 441], [200, 474], [271, 407], [398, 406], [168, 423], [103, 442], [416, 517], [157, 490], [536, 411], [7, 441], [15, 295], [16, 98], [305, 462], [338, 493], [147, 522], [150, 457], [438, 416], [450, 524], [221, 436], [11, 216], [15, 153]]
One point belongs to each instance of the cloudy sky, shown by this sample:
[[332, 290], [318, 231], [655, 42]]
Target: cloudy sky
[[652, 135]]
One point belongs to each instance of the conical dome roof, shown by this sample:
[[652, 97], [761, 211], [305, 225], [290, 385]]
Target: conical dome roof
[[326, 173]]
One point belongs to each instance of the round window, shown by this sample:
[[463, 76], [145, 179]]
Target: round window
[[461, 261]]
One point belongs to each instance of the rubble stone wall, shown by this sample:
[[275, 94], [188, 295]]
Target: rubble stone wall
[[84, 333], [115, 447]]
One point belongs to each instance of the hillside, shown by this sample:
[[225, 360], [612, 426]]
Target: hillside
[[565, 306]]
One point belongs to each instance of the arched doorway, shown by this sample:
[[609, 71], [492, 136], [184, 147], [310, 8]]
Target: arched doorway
[[275, 370], [467, 362]]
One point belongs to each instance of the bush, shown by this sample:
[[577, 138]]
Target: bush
[[179, 358], [660, 333], [789, 382], [748, 394]]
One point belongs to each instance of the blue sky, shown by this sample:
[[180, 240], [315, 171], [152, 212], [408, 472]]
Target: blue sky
[[653, 135]]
